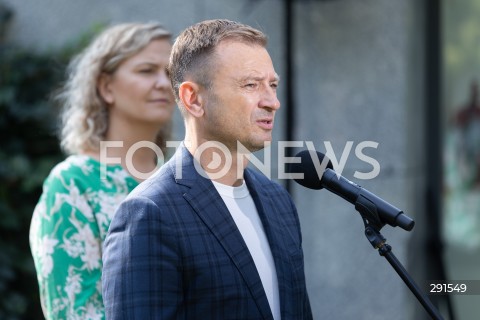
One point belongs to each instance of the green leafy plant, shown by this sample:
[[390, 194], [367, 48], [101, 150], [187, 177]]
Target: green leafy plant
[[29, 149]]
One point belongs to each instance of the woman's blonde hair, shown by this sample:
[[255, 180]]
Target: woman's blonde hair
[[84, 112]]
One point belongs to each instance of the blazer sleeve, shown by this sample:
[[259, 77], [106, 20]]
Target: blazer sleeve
[[141, 272]]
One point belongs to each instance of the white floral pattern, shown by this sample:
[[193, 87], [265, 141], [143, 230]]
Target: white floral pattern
[[67, 231]]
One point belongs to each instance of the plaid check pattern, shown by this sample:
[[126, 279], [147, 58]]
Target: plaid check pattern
[[173, 251]]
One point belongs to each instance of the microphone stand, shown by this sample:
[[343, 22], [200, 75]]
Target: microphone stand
[[373, 224]]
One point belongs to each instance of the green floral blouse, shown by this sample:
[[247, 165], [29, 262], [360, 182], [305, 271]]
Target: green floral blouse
[[67, 231]]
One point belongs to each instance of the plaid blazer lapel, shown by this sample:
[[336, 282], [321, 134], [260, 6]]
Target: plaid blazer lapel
[[209, 206], [282, 245]]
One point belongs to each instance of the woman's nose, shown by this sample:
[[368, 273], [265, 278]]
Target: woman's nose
[[162, 80]]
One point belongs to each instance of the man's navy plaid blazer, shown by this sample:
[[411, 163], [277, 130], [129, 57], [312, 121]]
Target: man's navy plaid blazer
[[173, 251]]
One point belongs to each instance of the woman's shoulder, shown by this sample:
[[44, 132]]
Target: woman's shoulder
[[74, 166], [83, 172]]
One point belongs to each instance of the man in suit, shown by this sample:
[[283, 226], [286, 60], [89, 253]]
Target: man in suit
[[206, 237]]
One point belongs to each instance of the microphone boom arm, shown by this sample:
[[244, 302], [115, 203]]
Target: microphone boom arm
[[376, 213], [372, 231]]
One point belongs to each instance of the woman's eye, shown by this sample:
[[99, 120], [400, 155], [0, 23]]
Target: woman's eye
[[146, 70]]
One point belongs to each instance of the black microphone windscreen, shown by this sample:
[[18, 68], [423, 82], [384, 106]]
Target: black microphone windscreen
[[309, 161]]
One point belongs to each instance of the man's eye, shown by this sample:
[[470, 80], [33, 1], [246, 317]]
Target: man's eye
[[251, 85], [146, 70]]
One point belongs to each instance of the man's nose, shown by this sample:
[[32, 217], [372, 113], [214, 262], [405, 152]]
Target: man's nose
[[269, 99]]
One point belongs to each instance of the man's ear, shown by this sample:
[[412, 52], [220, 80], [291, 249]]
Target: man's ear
[[103, 87], [189, 94]]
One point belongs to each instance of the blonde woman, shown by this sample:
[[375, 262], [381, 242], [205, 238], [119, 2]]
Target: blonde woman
[[117, 95]]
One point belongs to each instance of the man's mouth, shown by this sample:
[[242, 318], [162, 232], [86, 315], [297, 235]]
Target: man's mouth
[[266, 124]]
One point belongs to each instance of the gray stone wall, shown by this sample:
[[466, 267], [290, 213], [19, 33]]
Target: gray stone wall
[[359, 78], [358, 66]]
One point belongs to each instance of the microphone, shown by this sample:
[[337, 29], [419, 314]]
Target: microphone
[[373, 208]]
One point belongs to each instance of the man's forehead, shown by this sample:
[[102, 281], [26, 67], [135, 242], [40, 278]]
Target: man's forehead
[[259, 76], [249, 60]]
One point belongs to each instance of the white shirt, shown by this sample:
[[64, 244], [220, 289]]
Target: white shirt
[[242, 208]]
